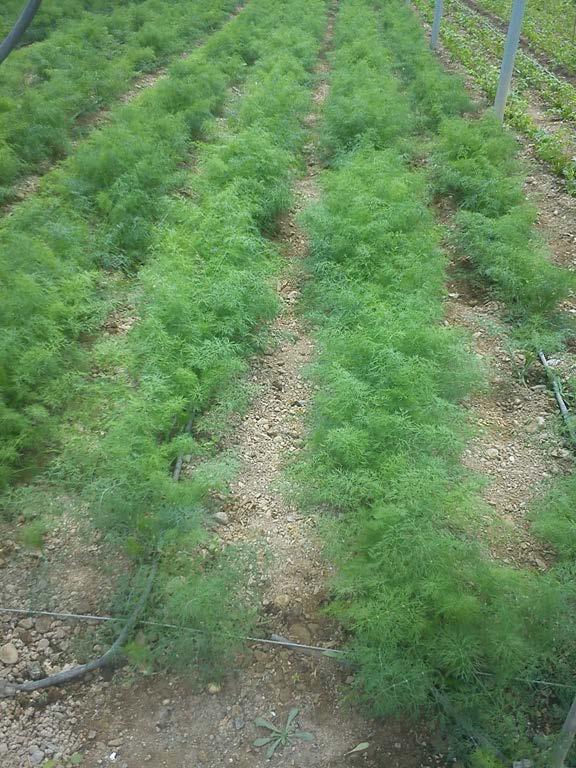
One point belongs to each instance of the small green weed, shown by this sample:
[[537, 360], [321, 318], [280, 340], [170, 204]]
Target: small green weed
[[280, 737], [32, 534]]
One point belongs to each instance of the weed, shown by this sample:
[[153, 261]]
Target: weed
[[280, 737], [32, 534]]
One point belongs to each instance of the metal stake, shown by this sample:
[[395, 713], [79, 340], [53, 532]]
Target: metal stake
[[512, 40], [438, 8]]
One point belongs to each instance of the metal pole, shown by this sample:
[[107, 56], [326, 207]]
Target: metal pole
[[512, 40], [562, 746], [438, 8]]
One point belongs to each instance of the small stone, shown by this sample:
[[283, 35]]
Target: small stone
[[536, 425], [36, 756], [43, 644], [8, 654], [163, 717], [239, 723], [282, 602], [214, 688], [3, 748], [221, 518], [91, 735], [43, 624], [34, 671], [492, 453]]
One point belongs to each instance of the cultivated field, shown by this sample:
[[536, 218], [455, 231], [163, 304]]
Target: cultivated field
[[279, 458]]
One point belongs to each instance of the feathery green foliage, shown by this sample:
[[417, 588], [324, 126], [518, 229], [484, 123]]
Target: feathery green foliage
[[475, 162], [204, 295], [433, 93], [431, 614], [49, 89], [100, 208], [53, 14]]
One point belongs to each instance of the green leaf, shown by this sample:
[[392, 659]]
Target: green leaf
[[291, 715], [359, 748], [266, 724], [304, 735], [76, 759], [262, 741], [271, 749]]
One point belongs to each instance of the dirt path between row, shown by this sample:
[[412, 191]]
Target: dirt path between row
[[517, 448]]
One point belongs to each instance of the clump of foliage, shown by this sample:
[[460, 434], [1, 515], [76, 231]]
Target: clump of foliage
[[555, 518], [475, 163], [433, 93], [433, 618], [352, 111], [51, 15]]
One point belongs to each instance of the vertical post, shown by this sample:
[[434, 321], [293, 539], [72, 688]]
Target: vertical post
[[512, 40], [564, 742], [438, 8]]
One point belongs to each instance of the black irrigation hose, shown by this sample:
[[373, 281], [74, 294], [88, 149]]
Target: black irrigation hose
[[8, 689], [22, 23]]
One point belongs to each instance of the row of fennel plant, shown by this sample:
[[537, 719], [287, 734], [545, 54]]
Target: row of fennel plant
[[432, 617], [99, 209], [475, 163], [46, 89], [51, 15], [205, 296]]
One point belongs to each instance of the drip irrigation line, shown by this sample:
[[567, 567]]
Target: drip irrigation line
[[274, 640], [8, 689], [557, 389], [22, 23]]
